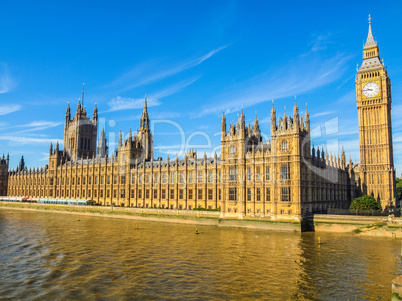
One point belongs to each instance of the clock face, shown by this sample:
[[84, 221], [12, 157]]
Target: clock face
[[371, 89]]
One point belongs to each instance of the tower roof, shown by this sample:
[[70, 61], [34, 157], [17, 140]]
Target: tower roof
[[370, 42]]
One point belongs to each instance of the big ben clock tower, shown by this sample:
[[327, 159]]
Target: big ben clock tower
[[373, 97]]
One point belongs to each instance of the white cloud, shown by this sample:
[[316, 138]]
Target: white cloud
[[38, 125], [119, 103], [6, 82], [298, 76], [145, 73], [30, 140], [4, 110]]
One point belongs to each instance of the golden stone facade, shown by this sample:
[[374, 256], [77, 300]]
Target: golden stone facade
[[281, 178]]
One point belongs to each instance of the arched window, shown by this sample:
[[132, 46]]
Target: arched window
[[232, 149], [285, 145]]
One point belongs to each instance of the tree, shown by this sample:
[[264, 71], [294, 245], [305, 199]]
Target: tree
[[399, 188], [365, 202]]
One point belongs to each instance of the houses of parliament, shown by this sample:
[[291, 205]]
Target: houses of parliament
[[280, 178]]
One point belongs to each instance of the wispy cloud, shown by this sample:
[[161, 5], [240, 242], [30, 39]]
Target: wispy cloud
[[38, 125], [150, 72], [174, 88], [298, 76], [30, 140], [6, 81], [4, 110], [322, 114], [119, 103]]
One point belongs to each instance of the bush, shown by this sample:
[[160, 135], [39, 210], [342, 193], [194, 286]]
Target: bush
[[205, 209], [399, 188], [365, 202]]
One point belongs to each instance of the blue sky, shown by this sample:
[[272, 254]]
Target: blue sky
[[192, 59]]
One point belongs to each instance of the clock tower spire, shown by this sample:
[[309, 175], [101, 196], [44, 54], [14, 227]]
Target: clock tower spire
[[373, 97]]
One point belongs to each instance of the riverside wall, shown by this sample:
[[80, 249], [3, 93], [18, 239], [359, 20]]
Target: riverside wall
[[360, 225]]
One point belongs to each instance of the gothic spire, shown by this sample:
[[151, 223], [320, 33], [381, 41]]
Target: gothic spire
[[82, 94], [145, 105], [370, 39]]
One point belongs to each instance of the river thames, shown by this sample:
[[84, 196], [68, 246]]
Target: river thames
[[46, 256]]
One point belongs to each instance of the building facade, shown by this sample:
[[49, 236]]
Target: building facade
[[279, 179]]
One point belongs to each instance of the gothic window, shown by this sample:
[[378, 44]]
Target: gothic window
[[180, 194], [232, 149], [210, 177], [285, 175], [209, 194], [181, 178], [248, 194], [258, 177], [258, 194], [220, 177], [147, 179], [232, 174], [284, 146], [172, 178], [147, 193], [164, 178], [268, 174], [108, 180], [190, 194], [219, 194], [155, 178], [190, 177], [140, 181], [232, 194], [248, 174], [199, 194], [200, 177], [285, 194], [155, 193], [108, 193], [140, 193], [172, 193], [123, 180], [268, 195], [163, 193]]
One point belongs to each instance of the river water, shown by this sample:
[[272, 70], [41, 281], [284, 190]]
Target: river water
[[45, 256]]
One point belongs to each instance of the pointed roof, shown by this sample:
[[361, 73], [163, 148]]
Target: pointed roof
[[145, 105], [370, 39]]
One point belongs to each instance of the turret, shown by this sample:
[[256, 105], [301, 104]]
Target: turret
[[223, 125], [343, 159], [120, 143], [95, 114], [307, 120], [273, 118], [296, 116], [68, 112]]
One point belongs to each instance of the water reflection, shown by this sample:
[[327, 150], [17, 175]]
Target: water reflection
[[45, 256]]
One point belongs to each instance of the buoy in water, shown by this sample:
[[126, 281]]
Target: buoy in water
[[196, 231]]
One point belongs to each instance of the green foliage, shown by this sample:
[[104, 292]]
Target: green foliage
[[399, 188], [204, 209], [365, 202]]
